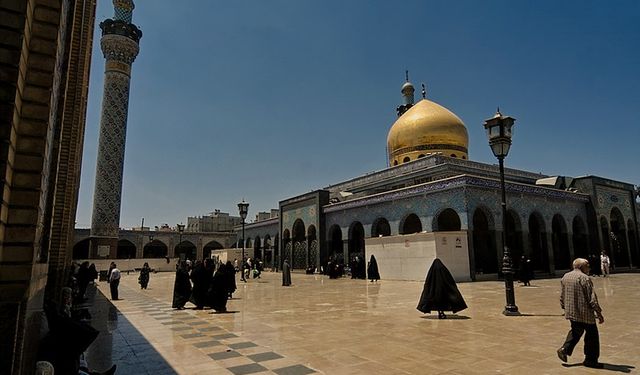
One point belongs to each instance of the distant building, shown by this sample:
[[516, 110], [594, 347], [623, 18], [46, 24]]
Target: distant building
[[216, 221], [262, 216]]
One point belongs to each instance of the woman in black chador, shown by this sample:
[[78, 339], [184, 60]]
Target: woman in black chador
[[372, 269], [143, 279], [201, 277], [181, 287], [440, 292], [525, 272], [231, 278], [218, 292]]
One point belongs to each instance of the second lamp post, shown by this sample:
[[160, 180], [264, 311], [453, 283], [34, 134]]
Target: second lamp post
[[499, 133], [243, 207]]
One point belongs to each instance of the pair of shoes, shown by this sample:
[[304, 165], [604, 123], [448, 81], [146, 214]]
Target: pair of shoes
[[593, 364], [562, 355]]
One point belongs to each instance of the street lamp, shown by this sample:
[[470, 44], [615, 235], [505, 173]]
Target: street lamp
[[243, 207], [499, 133], [180, 230]]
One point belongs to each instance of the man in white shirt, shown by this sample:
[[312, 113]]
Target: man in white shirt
[[114, 281]]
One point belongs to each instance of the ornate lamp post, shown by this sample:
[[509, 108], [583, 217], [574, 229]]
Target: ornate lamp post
[[180, 230], [243, 207], [499, 133]]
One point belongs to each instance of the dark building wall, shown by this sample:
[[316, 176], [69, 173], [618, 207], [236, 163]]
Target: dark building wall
[[35, 44]]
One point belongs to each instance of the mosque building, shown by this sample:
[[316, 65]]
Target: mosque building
[[431, 187]]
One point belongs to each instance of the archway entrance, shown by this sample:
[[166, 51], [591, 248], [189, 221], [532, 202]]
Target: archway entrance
[[336, 246], [312, 243], [411, 224], [619, 239], [208, 249], [185, 250], [380, 228], [155, 249], [268, 251], [560, 241], [126, 250], [633, 243], [513, 238], [257, 248], [580, 238], [538, 243], [299, 245], [448, 221], [356, 240], [81, 249], [484, 246]]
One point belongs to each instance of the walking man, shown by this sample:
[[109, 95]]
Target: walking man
[[114, 281], [580, 305]]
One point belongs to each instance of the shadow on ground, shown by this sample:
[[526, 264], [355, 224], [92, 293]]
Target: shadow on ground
[[119, 342]]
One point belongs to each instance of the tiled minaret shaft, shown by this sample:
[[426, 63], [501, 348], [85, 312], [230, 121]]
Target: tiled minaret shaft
[[119, 42]]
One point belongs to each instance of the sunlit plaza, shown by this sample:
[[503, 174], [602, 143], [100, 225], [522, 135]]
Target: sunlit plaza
[[347, 326]]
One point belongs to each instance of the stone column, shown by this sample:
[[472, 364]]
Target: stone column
[[119, 44]]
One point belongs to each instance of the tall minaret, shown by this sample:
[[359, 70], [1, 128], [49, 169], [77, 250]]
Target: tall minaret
[[120, 47]]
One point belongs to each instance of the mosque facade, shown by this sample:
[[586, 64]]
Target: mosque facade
[[431, 186]]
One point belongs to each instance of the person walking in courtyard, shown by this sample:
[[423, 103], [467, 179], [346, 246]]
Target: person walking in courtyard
[[143, 279], [580, 304], [286, 273], [372, 269], [604, 264], [525, 271], [201, 276], [231, 276], [181, 287], [114, 281], [440, 292]]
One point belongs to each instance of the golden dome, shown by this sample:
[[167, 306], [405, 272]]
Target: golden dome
[[427, 128]]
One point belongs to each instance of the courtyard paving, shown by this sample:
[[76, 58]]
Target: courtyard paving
[[349, 326]]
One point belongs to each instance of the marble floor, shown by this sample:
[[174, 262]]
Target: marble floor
[[349, 326]]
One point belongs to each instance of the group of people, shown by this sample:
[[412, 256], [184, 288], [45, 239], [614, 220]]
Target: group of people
[[211, 287], [335, 269]]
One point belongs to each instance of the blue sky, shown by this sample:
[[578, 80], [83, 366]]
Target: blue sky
[[264, 100]]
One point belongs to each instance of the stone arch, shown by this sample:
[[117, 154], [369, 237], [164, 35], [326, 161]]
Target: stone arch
[[210, 247], [410, 224], [514, 235], [155, 249], [126, 250], [580, 238], [380, 228], [484, 246], [604, 233], [335, 242], [538, 242], [185, 250], [619, 239], [406, 159], [267, 247], [312, 245], [248, 243], [633, 243], [257, 248], [356, 240], [286, 246], [447, 221], [81, 249], [299, 260], [560, 243]]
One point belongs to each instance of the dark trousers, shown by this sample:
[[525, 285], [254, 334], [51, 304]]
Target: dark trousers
[[591, 340], [113, 285]]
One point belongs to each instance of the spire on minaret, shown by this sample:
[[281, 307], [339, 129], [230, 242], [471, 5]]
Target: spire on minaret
[[407, 91]]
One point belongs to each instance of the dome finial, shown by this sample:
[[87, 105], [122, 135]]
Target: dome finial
[[406, 75], [424, 92]]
